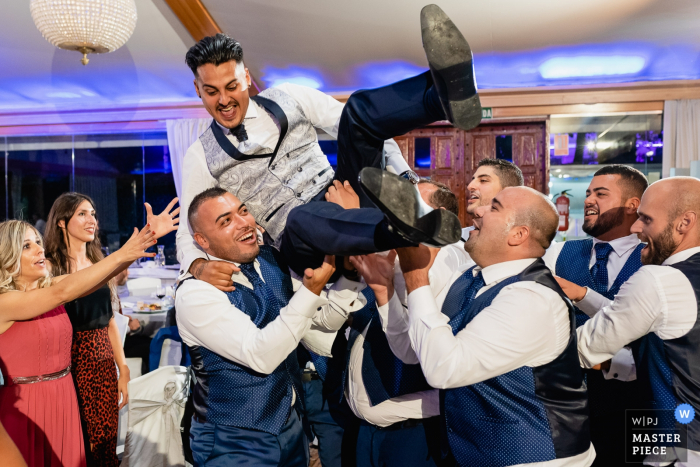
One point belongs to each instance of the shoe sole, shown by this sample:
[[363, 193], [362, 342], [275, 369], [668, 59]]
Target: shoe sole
[[397, 199], [450, 58]]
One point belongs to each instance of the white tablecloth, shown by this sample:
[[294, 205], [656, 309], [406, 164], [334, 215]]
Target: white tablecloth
[[160, 273], [152, 321]]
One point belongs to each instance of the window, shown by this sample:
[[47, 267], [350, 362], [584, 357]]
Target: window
[[579, 146], [118, 171]]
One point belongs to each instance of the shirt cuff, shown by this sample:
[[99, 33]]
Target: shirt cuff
[[592, 302], [622, 366], [345, 295], [422, 307], [306, 303], [187, 260]]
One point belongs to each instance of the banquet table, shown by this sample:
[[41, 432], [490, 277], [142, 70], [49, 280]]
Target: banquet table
[[152, 321]]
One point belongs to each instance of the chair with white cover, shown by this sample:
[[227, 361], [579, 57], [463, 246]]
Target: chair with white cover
[[156, 406], [143, 285]]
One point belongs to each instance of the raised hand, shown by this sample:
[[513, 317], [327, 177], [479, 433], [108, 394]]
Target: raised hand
[[166, 221], [343, 195], [378, 272], [315, 279], [136, 246], [216, 273], [415, 263], [574, 291]]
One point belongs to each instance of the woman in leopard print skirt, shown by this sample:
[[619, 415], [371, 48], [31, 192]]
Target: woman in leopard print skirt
[[72, 244]]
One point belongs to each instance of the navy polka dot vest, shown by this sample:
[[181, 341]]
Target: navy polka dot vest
[[605, 395], [231, 394], [671, 368], [530, 414]]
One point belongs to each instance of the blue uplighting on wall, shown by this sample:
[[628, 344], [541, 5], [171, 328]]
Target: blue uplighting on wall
[[552, 66], [591, 65], [376, 74], [587, 64], [273, 76]]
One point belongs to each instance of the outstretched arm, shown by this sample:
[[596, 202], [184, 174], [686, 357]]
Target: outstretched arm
[[206, 317], [20, 306]]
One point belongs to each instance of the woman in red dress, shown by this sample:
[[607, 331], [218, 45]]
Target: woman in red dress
[[38, 403]]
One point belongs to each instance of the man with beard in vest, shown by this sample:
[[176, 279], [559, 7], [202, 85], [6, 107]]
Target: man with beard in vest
[[601, 265], [659, 305]]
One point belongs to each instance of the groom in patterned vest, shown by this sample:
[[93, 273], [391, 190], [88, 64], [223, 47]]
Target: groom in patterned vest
[[264, 150], [596, 267]]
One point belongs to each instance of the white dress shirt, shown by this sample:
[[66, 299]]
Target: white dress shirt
[[394, 320], [323, 112], [658, 299], [527, 324], [206, 317], [622, 366]]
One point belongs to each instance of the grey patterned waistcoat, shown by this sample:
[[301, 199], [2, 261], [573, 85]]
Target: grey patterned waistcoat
[[271, 183]]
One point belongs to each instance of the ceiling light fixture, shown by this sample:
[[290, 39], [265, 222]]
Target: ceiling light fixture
[[86, 26]]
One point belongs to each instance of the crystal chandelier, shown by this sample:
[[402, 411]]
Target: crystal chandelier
[[87, 26]]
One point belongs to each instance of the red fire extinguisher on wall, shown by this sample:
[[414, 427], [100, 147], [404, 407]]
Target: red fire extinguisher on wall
[[563, 204]]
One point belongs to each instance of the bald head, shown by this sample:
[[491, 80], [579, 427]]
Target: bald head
[[538, 214], [680, 194], [520, 223], [669, 218]]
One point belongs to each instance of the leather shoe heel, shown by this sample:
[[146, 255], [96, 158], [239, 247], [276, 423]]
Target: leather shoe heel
[[451, 66], [398, 200]]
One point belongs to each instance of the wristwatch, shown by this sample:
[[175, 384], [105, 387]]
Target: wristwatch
[[411, 176]]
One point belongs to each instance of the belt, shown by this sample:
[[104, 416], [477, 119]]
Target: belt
[[410, 423], [40, 378], [308, 375]]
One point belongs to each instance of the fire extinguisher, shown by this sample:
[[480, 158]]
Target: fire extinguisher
[[563, 203]]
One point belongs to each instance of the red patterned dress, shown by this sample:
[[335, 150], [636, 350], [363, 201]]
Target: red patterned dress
[[95, 373], [41, 417]]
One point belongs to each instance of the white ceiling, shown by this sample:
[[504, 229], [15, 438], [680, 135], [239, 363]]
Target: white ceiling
[[150, 68], [338, 39], [344, 45]]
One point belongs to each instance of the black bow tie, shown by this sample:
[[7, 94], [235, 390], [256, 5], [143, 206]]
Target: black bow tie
[[239, 133]]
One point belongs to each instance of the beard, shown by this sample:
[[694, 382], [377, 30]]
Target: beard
[[660, 248], [605, 222]]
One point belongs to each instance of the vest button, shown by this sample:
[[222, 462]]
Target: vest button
[[298, 195], [299, 169], [313, 181], [272, 167]]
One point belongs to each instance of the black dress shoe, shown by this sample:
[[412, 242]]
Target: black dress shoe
[[398, 200], [450, 60]]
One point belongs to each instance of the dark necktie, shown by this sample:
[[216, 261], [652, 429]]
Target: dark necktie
[[461, 296], [264, 292], [240, 133], [599, 271]]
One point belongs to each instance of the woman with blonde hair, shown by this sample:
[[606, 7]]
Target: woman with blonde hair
[[73, 244], [38, 404]]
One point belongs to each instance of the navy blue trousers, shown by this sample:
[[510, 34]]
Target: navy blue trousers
[[369, 118], [416, 446], [323, 426], [223, 446]]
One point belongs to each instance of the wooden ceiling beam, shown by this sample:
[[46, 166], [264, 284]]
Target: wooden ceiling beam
[[195, 17]]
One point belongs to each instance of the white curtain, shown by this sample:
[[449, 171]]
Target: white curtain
[[181, 135], [681, 134]]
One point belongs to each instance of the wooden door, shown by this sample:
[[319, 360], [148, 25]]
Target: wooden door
[[454, 154]]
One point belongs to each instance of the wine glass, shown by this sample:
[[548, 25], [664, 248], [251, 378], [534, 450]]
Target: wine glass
[[160, 292]]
